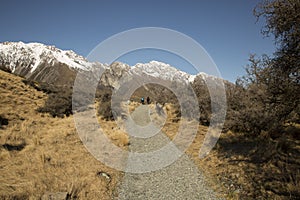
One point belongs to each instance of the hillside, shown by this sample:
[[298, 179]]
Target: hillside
[[38, 137], [40, 154]]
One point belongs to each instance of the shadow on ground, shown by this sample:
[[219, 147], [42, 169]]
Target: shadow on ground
[[262, 167]]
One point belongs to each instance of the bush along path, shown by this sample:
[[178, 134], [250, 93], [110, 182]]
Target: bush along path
[[179, 180]]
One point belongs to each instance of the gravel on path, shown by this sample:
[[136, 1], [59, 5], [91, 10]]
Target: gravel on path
[[179, 180]]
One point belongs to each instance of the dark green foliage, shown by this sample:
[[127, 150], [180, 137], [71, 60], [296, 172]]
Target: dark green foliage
[[283, 71], [267, 97], [204, 101], [103, 96], [59, 102], [105, 111]]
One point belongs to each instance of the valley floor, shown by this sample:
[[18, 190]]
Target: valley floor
[[41, 155]]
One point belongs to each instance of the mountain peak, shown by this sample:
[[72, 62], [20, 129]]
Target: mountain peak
[[46, 62], [162, 70], [32, 55]]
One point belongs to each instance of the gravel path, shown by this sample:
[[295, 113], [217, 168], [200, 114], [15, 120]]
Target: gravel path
[[180, 180]]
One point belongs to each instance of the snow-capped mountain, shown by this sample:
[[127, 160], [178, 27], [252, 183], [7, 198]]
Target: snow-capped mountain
[[163, 71], [32, 55], [44, 63], [155, 69]]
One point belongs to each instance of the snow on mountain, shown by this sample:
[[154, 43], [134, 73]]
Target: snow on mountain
[[167, 72], [49, 64], [32, 55], [161, 70]]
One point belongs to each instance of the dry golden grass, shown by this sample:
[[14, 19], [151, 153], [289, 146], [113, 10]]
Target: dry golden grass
[[132, 106], [40, 154], [117, 136], [112, 130], [245, 168], [240, 167]]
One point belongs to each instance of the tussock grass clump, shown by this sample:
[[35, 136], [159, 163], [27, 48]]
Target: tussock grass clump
[[41, 154]]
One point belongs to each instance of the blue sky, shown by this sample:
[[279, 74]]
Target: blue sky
[[226, 29]]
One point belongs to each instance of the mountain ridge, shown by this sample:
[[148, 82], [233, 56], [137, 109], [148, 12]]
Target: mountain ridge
[[40, 62]]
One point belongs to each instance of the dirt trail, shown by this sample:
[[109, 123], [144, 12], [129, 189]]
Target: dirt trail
[[180, 180]]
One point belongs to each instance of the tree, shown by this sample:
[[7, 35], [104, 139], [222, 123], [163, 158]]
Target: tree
[[268, 95], [282, 73]]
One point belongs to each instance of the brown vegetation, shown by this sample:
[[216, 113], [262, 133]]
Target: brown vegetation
[[241, 167], [257, 157], [40, 154]]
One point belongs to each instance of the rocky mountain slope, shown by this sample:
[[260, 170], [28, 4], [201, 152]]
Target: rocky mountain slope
[[41, 63], [49, 64]]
